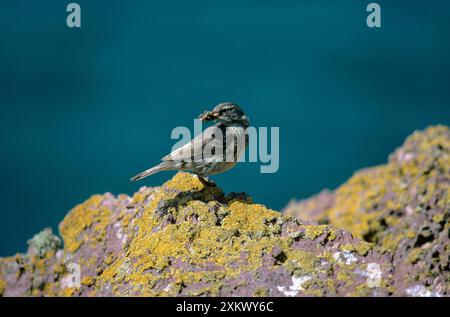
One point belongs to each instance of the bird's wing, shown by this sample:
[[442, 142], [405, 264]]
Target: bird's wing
[[193, 151]]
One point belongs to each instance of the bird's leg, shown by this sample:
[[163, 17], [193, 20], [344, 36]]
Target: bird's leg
[[205, 182]]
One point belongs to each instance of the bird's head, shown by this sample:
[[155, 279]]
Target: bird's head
[[228, 113]]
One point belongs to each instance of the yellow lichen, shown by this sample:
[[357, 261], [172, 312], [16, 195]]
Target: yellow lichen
[[67, 292], [2, 286], [371, 200], [314, 231], [245, 226], [413, 256], [362, 247], [438, 218], [186, 234], [83, 216], [88, 280], [182, 183], [261, 292]]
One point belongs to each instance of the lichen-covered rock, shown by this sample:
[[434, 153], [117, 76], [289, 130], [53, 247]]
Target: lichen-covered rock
[[403, 206], [313, 208], [43, 242], [185, 239]]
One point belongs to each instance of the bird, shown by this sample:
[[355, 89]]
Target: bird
[[232, 122]]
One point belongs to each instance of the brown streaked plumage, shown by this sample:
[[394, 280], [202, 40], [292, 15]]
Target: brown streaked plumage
[[230, 119]]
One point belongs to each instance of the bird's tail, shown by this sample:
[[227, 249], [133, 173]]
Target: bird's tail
[[164, 166]]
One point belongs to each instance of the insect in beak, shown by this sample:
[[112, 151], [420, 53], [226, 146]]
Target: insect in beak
[[208, 116]]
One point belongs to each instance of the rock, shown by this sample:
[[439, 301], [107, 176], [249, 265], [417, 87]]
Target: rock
[[402, 206], [44, 242], [311, 208], [185, 239]]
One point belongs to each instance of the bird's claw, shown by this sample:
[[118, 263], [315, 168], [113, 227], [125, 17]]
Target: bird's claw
[[206, 182]]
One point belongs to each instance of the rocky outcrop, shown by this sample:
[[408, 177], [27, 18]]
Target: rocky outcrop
[[402, 206], [188, 239], [184, 239]]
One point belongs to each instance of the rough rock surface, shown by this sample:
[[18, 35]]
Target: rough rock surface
[[184, 239], [402, 206]]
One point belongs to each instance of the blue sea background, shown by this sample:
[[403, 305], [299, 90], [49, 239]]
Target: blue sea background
[[84, 109]]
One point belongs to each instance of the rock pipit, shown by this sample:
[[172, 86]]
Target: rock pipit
[[214, 151]]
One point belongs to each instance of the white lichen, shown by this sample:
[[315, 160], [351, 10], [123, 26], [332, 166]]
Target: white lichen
[[345, 257], [121, 236], [297, 285], [73, 278], [374, 275], [421, 291]]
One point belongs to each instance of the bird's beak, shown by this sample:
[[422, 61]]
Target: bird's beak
[[209, 115]]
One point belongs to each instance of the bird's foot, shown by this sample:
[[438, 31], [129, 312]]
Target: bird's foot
[[206, 182]]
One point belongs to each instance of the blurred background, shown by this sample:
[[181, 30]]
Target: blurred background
[[82, 110]]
